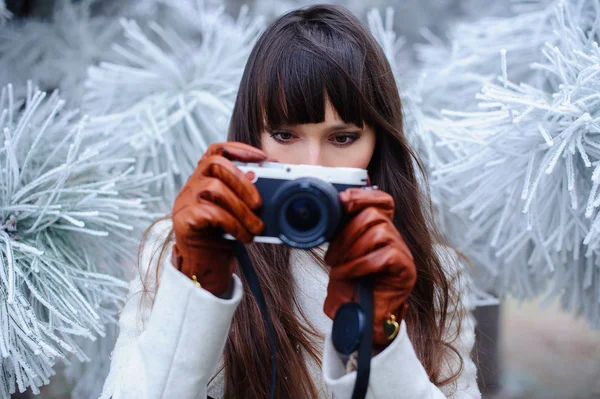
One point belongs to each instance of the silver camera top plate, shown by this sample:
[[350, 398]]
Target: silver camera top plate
[[276, 170]]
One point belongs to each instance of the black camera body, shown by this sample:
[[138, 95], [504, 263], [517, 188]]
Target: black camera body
[[300, 206]]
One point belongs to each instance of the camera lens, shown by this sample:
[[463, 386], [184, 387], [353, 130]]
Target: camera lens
[[303, 214], [307, 212]]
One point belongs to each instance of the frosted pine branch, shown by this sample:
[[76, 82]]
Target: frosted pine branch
[[170, 95], [56, 53], [525, 174], [70, 215], [454, 69]]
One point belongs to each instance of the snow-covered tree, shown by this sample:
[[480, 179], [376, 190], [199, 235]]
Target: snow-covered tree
[[518, 165]]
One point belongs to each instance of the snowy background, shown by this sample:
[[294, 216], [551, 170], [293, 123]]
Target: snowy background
[[105, 107]]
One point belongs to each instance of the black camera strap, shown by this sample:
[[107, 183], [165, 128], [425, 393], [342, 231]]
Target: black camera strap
[[363, 369], [366, 342], [250, 275]]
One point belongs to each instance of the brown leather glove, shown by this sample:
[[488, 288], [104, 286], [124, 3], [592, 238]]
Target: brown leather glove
[[217, 198], [371, 245]]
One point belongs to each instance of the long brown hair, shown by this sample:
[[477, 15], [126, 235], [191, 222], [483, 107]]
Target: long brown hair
[[305, 57]]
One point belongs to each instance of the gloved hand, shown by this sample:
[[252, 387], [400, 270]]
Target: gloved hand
[[370, 245], [217, 198]]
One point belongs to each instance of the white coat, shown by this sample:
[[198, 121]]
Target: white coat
[[171, 350]]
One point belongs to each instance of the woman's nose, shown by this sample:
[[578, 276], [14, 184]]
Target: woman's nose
[[313, 156]]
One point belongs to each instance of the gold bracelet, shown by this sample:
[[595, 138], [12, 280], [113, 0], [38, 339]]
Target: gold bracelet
[[196, 280]]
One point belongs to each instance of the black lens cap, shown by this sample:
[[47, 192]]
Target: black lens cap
[[348, 328]]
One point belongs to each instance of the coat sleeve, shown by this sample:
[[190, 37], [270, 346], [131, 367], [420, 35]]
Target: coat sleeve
[[170, 349], [397, 373]]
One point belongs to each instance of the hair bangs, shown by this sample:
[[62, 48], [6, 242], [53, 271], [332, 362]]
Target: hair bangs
[[297, 87]]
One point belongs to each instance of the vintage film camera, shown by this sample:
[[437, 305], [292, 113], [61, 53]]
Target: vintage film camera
[[300, 202]]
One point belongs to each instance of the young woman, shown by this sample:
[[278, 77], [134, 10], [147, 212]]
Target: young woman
[[317, 89]]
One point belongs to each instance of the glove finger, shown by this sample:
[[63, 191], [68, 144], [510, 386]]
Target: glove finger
[[354, 200], [221, 168], [236, 151], [338, 293], [356, 227], [377, 236], [208, 219], [387, 260], [214, 190]]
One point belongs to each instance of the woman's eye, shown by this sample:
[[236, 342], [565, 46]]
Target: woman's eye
[[345, 139], [282, 137]]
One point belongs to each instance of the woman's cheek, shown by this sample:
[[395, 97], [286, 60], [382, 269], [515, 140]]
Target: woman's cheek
[[359, 154], [363, 159], [355, 158]]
